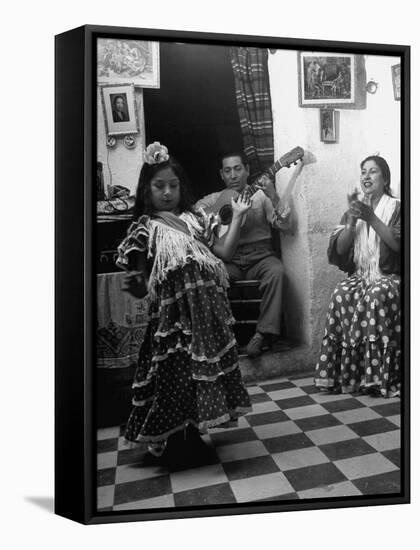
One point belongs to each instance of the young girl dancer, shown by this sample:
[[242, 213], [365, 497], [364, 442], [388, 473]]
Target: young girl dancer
[[188, 376]]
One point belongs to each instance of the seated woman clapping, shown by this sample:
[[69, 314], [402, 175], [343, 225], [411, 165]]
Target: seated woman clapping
[[361, 349]]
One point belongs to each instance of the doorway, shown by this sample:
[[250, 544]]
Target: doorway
[[194, 111]]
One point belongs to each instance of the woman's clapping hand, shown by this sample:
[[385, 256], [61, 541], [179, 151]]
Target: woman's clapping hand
[[361, 210]]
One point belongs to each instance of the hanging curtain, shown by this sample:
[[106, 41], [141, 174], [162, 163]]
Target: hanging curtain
[[250, 69]]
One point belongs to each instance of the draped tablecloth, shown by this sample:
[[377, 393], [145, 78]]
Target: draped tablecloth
[[121, 323]]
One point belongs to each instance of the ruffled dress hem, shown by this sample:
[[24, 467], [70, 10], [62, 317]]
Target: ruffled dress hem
[[203, 426]]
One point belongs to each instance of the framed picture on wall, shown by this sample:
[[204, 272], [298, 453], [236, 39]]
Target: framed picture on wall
[[396, 81], [186, 387], [328, 125], [120, 109], [332, 79], [125, 61]]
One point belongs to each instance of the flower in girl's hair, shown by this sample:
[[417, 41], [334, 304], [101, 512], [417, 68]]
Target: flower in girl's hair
[[156, 153]]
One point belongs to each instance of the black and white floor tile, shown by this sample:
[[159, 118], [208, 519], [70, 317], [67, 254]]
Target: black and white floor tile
[[296, 444]]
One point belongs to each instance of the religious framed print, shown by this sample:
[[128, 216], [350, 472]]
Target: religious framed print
[[331, 80], [122, 61], [396, 81], [230, 337], [328, 125]]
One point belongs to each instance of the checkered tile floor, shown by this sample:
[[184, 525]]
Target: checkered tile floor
[[296, 444]]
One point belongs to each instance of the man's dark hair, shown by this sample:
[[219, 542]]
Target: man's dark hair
[[229, 154]]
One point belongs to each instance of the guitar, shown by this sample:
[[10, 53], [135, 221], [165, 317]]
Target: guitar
[[223, 206]]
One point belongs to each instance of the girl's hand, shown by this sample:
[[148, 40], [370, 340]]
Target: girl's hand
[[361, 210], [267, 186], [135, 284], [241, 205]]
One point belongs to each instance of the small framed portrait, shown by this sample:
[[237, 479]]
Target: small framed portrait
[[328, 125], [328, 79], [120, 110], [396, 81], [122, 61]]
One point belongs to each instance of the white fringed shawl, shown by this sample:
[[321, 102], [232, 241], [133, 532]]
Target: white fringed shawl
[[366, 244], [172, 248]]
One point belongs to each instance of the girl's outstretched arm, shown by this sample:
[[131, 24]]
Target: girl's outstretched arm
[[225, 248]]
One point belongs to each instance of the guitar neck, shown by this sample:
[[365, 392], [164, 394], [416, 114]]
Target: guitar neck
[[289, 189], [271, 172], [292, 156]]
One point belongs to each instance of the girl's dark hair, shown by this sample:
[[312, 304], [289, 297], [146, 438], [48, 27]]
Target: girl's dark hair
[[143, 203], [384, 168]]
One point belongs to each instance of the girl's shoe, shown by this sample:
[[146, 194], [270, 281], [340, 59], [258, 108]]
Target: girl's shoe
[[187, 450], [335, 390]]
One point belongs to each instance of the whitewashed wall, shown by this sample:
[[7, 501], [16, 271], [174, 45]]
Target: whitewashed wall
[[319, 198], [121, 166]]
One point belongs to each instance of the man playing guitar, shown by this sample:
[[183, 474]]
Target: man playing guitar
[[255, 257]]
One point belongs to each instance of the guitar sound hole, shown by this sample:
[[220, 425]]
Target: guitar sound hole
[[225, 214]]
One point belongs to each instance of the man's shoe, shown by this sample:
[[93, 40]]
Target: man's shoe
[[258, 343]]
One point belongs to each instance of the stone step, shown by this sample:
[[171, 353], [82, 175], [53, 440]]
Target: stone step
[[295, 360]]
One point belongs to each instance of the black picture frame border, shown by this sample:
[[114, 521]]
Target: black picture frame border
[[75, 168]]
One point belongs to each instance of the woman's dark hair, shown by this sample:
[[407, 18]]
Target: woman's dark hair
[[384, 168], [143, 202]]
